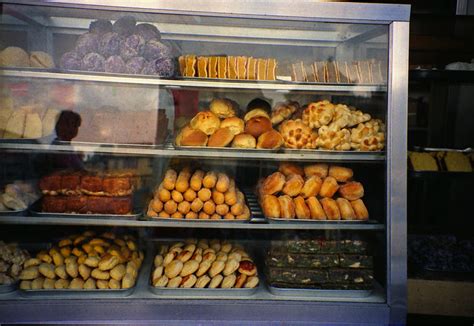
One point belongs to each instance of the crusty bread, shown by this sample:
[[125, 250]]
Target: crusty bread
[[257, 126], [206, 121], [222, 108], [191, 137], [221, 138], [235, 125], [244, 141], [270, 140]]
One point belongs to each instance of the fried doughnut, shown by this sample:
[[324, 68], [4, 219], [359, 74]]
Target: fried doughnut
[[271, 206], [290, 168], [196, 180], [163, 194], [218, 197], [341, 174], [237, 209], [352, 190], [204, 194], [345, 207], [311, 187], [156, 205], [170, 207], [360, 210], [191, 215], [318, 169], [315, 208], [204, 216], [287, 207], [182, 182], [209, 207], [169, 180], [331, 209], [177, 215], [184, 207], [273, 183], [177, 196], [329, 187], [196, 205], [189, 195], [293, 185], [301, 209], [210, 180], [222, 209]]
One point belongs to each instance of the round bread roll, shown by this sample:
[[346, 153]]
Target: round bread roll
[[360, 210], [293, 185], [221, 138], [222, 108], [174, 268], [209, 254], [191, 137], [216, 281], [247, 267], [161, 282], [241, 279], [229, 216], [170, 207], [287, 207], [177, 215], [257, 126], [174, 282], [216, 268], [290, 168], [237, 209], [169, 180], [203, 267], [331, 209], [209, 180], [204, 194], [318, 169], [196, 205], [271, 206], [231, 266], [273, 183], [203, 216], [329, 187], [315, 208], [209, 207], [352, 190], [216, 216], [191, 215], [184, 207], [189, 267], [202, 282], [244, 140], [345, 207], [206, 121], [218, 197], [229, 281], [311, 187], [182, 182], [163, 194], [270, 140], [223, 182], [256, 113], [195, 183], [14, 56], [177, 196], [230, 196], [156, 205], [341, 174], [163, 214], [222, 256], [301, 210], [222, 209], [235, 125], [252, 282], [189, 195]]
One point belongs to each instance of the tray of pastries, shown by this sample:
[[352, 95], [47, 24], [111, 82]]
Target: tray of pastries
[[425, 160], [203, 267], [101, 264], [197, 195], [12, 258], [312, 193], [319, 125], [16, 197]]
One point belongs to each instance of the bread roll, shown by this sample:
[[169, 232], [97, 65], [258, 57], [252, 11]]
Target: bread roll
[[240, 281], [204, 194], [293, 185], [252, 282], [177, 196], [204, 267], [182, 182], [216, 281], [203, 216], [169, 180], [222, 209], [163, 194], [345, 207], [245, 215], [247, 267], [315, 209], [287, 207], [222, 108], [331, 209], [216, 216], [271, 206], [191, 137], [329, 187], [256, 113], [174, 268], [360, 210], [290, 168], [257, 126], [205, 121], [230, 196], [244, 140], [318, 169], [311, 187], [235, 125], [352, 190], [189, 195], [271, 139], [188, 281], [202, 282], [209, 180], [221, 138], [191, 215], [223, 182], [156, 205], [341, 174], [229, 281], [301, 209], [216, 268], [174, 282], [189, 267], [196, 205], [273, 183], [170, 207], [209, 207], [237, 209], [196, 180], [163, 214], [184, 207]]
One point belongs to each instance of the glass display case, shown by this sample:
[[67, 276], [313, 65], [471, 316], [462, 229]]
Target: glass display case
[[182, 162]]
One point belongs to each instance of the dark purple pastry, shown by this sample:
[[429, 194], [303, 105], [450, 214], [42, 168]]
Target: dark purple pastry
[[132, 46], [156, 50], [93, 62], [87, 43], [160, 67], [115, 64], [109, 44], [135, 65], [100, 26], [148, 32], [71, 61], [125, 25]]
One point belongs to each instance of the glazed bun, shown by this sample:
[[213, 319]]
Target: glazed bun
[[191, 137], [221, 138], [256, 113], [206, 121], [257, 126], [270, 140], [244, 141], [235, 124], [222, 108]]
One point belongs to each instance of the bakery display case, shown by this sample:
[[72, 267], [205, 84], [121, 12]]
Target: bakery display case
[[163, 162]]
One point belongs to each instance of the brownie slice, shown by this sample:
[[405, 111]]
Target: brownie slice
[[296, 275], [356, 261], [355, 276], [301, 260]]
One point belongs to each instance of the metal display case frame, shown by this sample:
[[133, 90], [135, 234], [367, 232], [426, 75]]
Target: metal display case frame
[[386, 307]]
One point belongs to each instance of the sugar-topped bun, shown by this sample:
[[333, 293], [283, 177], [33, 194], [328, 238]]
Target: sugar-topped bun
[[222, 108], [235, 124], [206, 121]]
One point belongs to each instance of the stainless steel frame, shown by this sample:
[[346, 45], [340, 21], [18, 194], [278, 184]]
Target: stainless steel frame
[[143, 307]]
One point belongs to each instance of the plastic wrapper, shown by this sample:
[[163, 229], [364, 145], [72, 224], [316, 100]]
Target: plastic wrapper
[[135, 65], [87, 43], [70, 61], [93, 62], [109, 44], [115, 64], [156, 50], [100, 26], [132, 46], [148, 32], [125, 26]]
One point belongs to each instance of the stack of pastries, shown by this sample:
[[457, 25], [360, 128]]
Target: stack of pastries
[[86, 261], [84, 192], [316, 192], [198, 195], [204, 264]]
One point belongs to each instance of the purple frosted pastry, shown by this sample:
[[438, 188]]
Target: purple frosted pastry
[[109, 44], [160, 67], [100, 26], [156, 50], [115, 64], [125, 25], [71, 61], [132, 46], [93, 62], [135, 65], [148, 32], [87, 43]]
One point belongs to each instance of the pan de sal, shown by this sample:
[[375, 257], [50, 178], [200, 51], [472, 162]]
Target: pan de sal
[[235, 124], [206, 121], [222, 108]]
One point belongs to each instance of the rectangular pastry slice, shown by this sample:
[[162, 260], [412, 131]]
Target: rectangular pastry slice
[[182, 65], [241, 67], [232, 67], [213, 67], [15, 125], [271, 69], [354, 73], [332, 74], [322, 71], [457, 162], [364, 71], [251, 68], [202, 63], [222, 67], [190, 66], [343, 73], [33, 126], [298, 72], [297, 275], [53, 204], [376, 68], [301, 260], [355, 261], [49, 121], [314, 72], [261, 69]]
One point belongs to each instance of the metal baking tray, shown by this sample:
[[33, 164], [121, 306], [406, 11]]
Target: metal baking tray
[[34, 210], [68, 293], [180, 292], [7, 288], [314, 293], [432, 149], [21, 212], [310, 221]]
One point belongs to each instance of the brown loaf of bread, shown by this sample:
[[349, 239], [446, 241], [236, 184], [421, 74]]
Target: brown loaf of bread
[[345, 207], [235, 124], [329, 187], [273, 183], [271, 206], [206, 121], [191, 137], [311, 187], [287, 207], [221, 138], [87, 205], [315, 208], [257, 126], [360, 210], [341, 174], [331, 209], [319, 169], [290, 168], [352, 190], [270, 140], [301, 209], [294, 184]]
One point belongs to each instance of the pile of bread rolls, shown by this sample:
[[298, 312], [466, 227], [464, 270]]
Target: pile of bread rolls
[[314, 192], [87, 261], [198, 195], [204, 264]]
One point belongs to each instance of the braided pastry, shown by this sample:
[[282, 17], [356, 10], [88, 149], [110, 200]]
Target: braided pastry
[[296, 134], [368, 136], [334, 140], [318, 114]]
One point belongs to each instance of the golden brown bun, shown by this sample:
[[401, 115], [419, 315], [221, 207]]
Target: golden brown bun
[[170, 207], [360, 210], [271, 206], [222, 209], [221, 138], [297, 135], [352, 190], [204, 194], [315, 208], [209, 180], [256, 113], [206, 121], [196, 205], [222, 108], [244, 141], [311, 187], [270, 140], [196, 180], [223, 182], [282, 111], [341, 174], [218, 197], [329, 187], [331, 209], [319, 169], [287, 207], [345, 207], [191, 137], [301, 209], [257, 126], [273, 183], [169, 180], [235, 125], [294, 184], [290, 168]]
